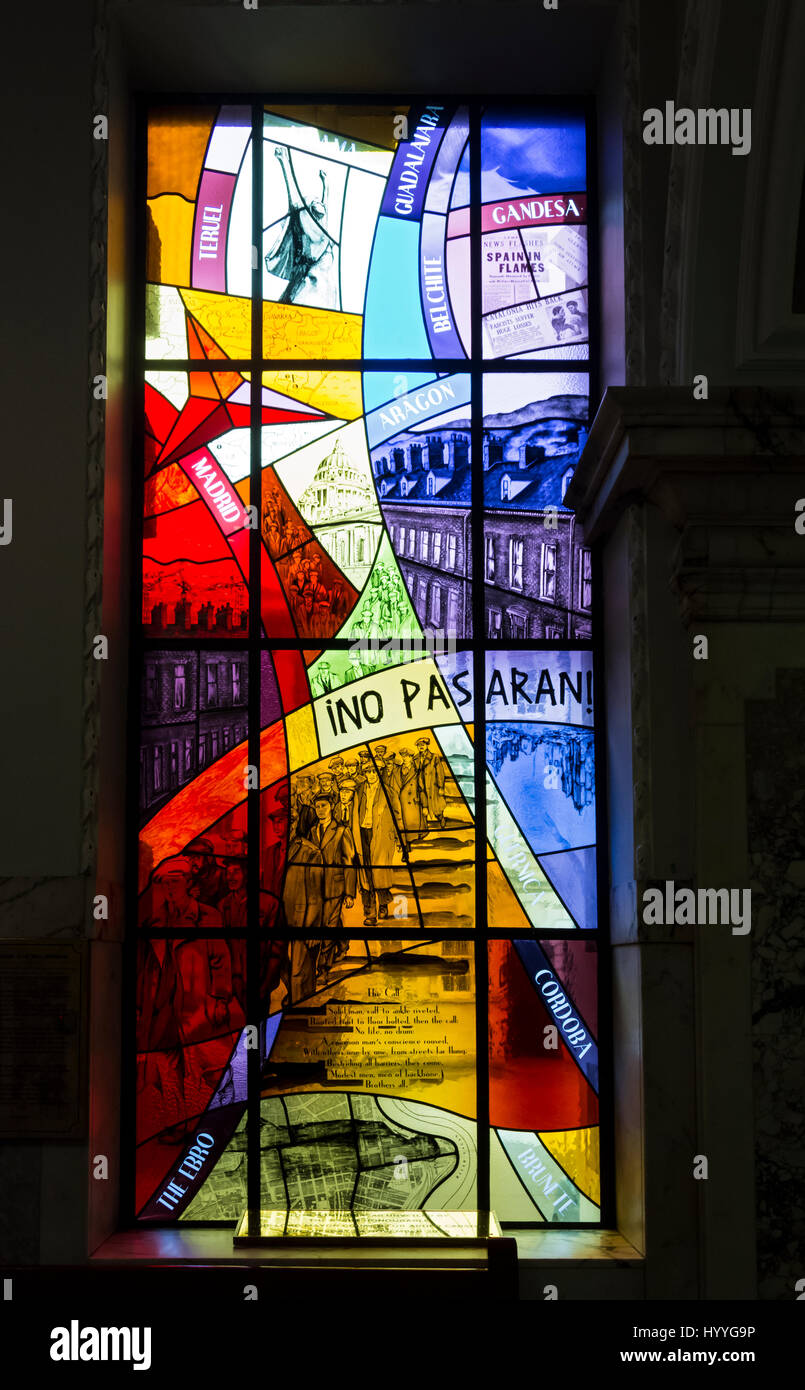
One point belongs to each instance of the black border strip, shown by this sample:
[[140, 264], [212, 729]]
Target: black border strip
[[253, 1011], [479, 683]]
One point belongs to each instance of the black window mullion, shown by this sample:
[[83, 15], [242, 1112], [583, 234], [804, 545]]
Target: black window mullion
[[479, 681], [128, 1113], [253, 953]]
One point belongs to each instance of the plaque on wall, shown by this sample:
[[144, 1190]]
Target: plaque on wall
[[42, 1040]]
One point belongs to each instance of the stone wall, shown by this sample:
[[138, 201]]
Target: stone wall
[[775, 778]]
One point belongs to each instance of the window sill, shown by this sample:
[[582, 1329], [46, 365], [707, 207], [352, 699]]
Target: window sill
[[573, 1247], [569, 1265], [213, 1245]]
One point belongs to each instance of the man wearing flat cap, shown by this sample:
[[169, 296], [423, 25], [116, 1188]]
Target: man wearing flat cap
[[387, 767], [376, 812], [327, 787], [323, 677], [305, 815], [173, 882], [208, 880]]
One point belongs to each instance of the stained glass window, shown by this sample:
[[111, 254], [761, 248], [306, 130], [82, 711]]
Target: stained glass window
[[365, 912]]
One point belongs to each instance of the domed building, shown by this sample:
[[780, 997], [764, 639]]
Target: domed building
[[340, 504]]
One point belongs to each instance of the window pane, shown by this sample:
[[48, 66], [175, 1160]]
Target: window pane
[[198, 267], [360, 256], [191, 1073], [369, 1097], [192, 815], [342, 505], [190, 1008], [534, 431], [379, 807], [543, 1080], [541, 788], [419, 440], [195, 534], [534, 232], [377, 1083]]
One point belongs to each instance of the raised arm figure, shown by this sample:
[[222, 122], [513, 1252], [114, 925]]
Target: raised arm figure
[[283, 154], [304, 251]]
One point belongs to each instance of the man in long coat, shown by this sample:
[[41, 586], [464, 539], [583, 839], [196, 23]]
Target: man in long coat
[[234, 914], [344, 812], [430, 771], [301, 909], [387, 767], [413, 821], [339, 875], [339, 879], [378, 820]]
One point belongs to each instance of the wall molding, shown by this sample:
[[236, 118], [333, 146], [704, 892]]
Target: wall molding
[[682, 229], [634, 305], [96, 441], [640, 692], [768, 334]]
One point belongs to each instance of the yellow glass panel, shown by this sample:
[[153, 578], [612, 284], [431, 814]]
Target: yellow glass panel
[[409, 1225], [293, 330], [578, 1152], [303, 747], [336, 393], [288, 330], [226, 317], [504, 905], [170, 237], [404, 1029], [177, 142]]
